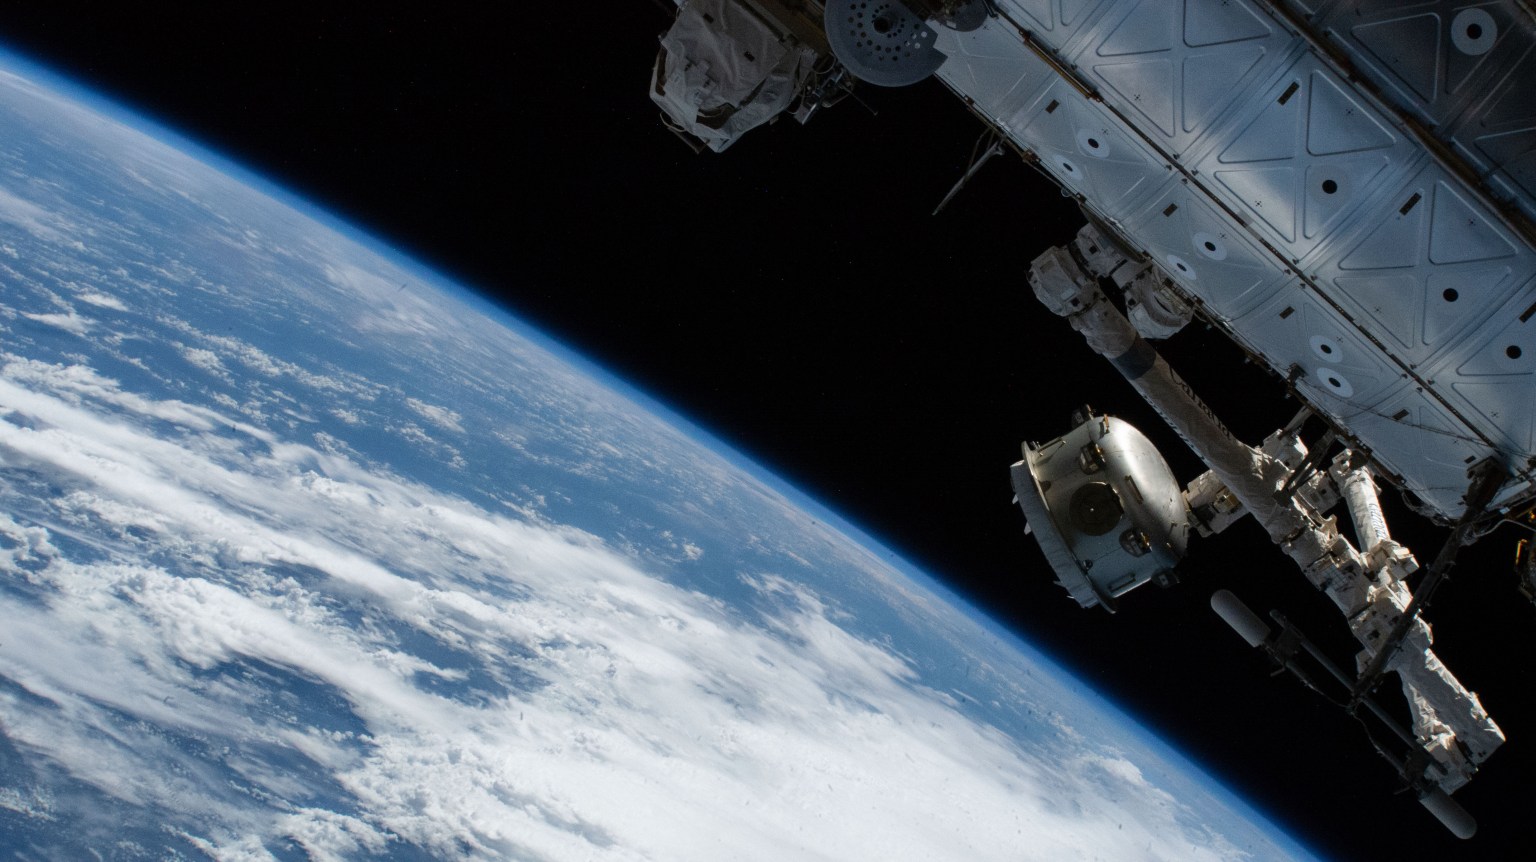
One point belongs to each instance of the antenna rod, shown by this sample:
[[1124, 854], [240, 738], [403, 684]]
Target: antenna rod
[[976, 163]]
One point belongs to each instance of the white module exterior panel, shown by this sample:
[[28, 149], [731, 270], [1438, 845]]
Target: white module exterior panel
[[1462, 70], [1430, 451], [1504, 401], [1302, 158], [1054, 22], [1329, 361], [992, 67], [1423, 266], [1431, 57], [1082, 147], [1499, 134], [1199, 247], [1088, 152], [1175, 68], [1301, 212], [1491, 376], [1305, 7]]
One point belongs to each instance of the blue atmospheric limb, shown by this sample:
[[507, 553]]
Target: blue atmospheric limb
[[294, 561]]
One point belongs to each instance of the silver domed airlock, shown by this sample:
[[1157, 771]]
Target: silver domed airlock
[[1105, 508]]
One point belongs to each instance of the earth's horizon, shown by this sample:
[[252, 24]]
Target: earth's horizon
[[307, 552]]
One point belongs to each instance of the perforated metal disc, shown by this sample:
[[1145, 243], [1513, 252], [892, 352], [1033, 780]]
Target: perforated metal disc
[[882, 41]]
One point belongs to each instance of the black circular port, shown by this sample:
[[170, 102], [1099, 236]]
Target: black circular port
[[1093, 143], [1210, 246], [1450, 294], [1474, 31], [1326, 348], [1095, 509], [1329, 187], [1513, 351], [883, 23]]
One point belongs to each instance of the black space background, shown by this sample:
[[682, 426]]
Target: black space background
[[795, 297]]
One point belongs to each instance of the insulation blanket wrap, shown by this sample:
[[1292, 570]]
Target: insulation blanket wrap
[[724, 69]]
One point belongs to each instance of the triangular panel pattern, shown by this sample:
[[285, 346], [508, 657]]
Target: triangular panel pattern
[[1417, 440], [1151, 27], [1408, 48], [1396, 243], [1510, 350], [1369, 372], [1269, 192], [1207, 54], [1509, 405], [1038, 12], [1072, 11], [1208, 23], [1491, 374], [1337, 123], [1459, 233], [1274, 134], [1110, 183], [1501, 137], [1284, 329], [983, 64], [1332, 187], [1208, 77], [1395, 301], [1302, 158], [1113, 176], [1229, 284], [1147, 85], [1514, 152], [1454, 298], [1433, 429], [1463, 263], [990, 82], [1516, 105]]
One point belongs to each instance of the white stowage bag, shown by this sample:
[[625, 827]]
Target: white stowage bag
[[724, 69]]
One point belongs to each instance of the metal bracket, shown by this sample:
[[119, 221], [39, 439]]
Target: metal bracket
[[1306, 469]]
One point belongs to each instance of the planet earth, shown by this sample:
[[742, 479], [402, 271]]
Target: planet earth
[[307, 552]]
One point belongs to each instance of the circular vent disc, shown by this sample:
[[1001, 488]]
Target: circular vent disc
[[882, 41]]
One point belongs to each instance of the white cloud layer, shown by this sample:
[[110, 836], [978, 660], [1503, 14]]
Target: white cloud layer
[[650, 722], [314, 583]]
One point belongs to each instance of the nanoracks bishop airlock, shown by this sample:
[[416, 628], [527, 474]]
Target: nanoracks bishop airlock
[[1345, 189]]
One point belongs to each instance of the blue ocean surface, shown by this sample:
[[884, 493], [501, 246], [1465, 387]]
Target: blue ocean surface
[[308, 552]]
